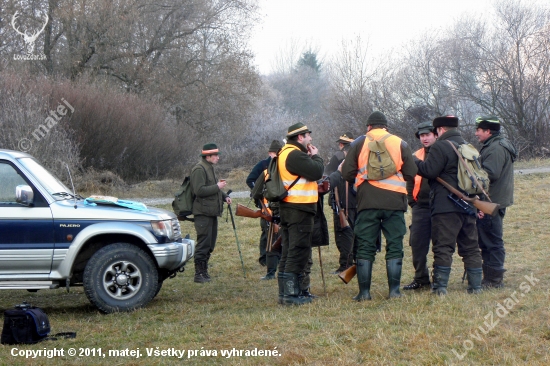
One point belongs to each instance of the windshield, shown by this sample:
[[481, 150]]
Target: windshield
[[48, 181]]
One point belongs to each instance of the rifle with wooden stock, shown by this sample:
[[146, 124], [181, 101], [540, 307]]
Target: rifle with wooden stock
[[488, 208], [341, 214], [248, 212]]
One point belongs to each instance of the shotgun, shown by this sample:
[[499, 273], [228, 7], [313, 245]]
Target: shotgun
[[276, 246], [348, 274], [488, 208], [343, 219], [247, 212]]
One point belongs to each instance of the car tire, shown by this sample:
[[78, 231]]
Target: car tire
[[120, 277]]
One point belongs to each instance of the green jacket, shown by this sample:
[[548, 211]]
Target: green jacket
[[208, 197], [369, 196], [497, 158]]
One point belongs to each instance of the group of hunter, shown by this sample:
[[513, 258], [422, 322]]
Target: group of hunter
[[367, 205]]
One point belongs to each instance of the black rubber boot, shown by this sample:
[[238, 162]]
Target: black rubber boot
[[393, 270], [306, 293], [492, 277], [364, 275], [201, 273], [292, 291], [440, 279], [474, 280], [280, 280]]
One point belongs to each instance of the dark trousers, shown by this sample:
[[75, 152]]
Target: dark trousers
[[489, 230], [207, 233], [263, 241], [451, 230], [344, 239], [296, 231], [420, 234], [304, 277], [368, 225]]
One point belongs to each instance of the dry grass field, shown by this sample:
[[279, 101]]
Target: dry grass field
[[509, 326]]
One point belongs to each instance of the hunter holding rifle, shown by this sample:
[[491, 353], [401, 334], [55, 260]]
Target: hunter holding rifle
[[418, 196], [270, 259], [452, 225], [343, 203], [381, 200]]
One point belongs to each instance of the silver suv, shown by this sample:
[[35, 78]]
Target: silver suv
[[50, 238]]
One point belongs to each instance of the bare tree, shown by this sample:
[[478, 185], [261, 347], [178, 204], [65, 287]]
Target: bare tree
[[504, 67]]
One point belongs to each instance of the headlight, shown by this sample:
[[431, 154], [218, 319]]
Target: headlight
[[163, 228]]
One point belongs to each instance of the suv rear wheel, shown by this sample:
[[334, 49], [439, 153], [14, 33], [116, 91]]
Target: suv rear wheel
[[120, 277]]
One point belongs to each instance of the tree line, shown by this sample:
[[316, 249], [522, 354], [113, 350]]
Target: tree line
[[150, 83]]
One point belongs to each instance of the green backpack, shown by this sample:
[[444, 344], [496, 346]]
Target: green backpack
[[380, 165], [472, 179], [183, 201]]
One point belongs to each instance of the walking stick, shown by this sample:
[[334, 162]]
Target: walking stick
[[235, 230], [322, 272]]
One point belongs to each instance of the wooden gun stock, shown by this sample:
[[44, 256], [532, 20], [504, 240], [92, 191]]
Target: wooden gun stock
[[488, 208], [343, 219], [276, 246], [348, 274], [247, 212]]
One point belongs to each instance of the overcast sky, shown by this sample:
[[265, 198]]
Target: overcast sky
[[324, 23]]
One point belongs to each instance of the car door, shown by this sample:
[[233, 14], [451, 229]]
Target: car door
[[26, 232]]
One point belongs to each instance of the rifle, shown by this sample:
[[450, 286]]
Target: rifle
[[348, 274], [248, 212], [488, 208], [343, 217]]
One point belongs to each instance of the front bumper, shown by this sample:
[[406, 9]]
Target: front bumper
[[172, 256]]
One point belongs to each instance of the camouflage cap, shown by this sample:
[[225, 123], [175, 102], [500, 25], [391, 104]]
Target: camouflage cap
[[488, 123]]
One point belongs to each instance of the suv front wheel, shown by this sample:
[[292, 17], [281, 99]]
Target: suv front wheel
[[120, 277]]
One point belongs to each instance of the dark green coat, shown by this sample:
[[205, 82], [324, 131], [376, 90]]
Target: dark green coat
[[369, 196], [497, 158], [209, 198], [442, 161]]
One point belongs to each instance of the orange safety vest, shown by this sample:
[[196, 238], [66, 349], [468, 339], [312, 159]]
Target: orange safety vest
[[420, 154], [304, 191], [395, 183]]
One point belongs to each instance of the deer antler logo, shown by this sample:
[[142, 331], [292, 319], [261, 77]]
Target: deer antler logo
[[29, 38]]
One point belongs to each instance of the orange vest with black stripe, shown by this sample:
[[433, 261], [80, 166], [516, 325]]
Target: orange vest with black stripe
[[304, 191], [420, 154], [395, 183]]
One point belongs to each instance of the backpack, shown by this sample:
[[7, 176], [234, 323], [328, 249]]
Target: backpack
[[274, 189], [183, 201], [380, 165], [472, 179]]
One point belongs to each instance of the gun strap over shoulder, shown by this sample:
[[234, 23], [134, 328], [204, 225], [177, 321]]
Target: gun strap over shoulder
[[472, 175]]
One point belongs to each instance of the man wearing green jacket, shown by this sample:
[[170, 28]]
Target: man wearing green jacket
[[497, 158], [381, 204], [207, 206], [300, 166]]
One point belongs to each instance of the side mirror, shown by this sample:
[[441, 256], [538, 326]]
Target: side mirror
[[24, 195]]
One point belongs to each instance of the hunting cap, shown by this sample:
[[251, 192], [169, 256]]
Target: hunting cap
[[377, 118], [445, 121], [488, 123], [346, 138], [210, 149], [297, 129], [424, 127], [275, 146]]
